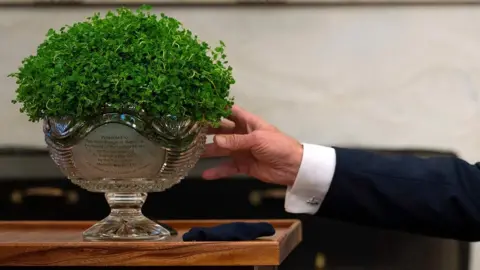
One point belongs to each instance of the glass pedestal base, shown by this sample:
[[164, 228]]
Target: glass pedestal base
[[126, 221]]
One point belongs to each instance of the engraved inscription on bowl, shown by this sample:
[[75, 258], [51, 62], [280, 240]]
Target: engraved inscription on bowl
[[117, 151]]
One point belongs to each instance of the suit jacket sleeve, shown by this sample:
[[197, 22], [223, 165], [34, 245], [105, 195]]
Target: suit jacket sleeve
[[437, 196]]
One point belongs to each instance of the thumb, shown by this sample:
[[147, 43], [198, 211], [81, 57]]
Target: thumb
[[235, 142]]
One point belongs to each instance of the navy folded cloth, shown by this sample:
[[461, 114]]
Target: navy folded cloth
[[235, 231]]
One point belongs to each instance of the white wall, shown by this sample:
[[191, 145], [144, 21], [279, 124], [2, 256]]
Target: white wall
[[389, 76]]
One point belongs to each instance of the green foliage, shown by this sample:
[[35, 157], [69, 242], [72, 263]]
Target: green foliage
[[128, 58]]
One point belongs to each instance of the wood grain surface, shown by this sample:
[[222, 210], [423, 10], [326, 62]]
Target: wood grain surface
[[46, 243]]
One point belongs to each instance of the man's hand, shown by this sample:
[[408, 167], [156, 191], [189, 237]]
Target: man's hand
[[257, 149]]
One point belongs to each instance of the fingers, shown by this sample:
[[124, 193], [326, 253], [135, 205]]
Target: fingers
[[212, 150], [226, 127], [224, 144], [225, 170], [239, 115], [246, 119], [235, 142], [240, 121]]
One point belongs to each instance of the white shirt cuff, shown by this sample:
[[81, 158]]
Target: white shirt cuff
[[313, 180]]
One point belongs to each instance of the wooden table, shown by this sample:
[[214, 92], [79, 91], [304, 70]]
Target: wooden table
[[47, 243]]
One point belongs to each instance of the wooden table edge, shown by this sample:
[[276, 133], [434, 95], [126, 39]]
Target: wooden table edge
[[289, 240]]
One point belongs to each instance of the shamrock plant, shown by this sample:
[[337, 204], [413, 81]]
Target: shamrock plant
[[125, 59]]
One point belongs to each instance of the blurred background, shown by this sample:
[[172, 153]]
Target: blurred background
[[390, 76]]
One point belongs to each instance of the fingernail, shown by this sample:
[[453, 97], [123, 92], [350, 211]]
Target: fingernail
[[221, 140]]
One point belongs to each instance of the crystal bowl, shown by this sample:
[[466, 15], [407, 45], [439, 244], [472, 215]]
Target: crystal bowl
[[125, 156]]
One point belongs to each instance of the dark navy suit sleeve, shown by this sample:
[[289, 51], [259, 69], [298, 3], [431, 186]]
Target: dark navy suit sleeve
[[436, 196]]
